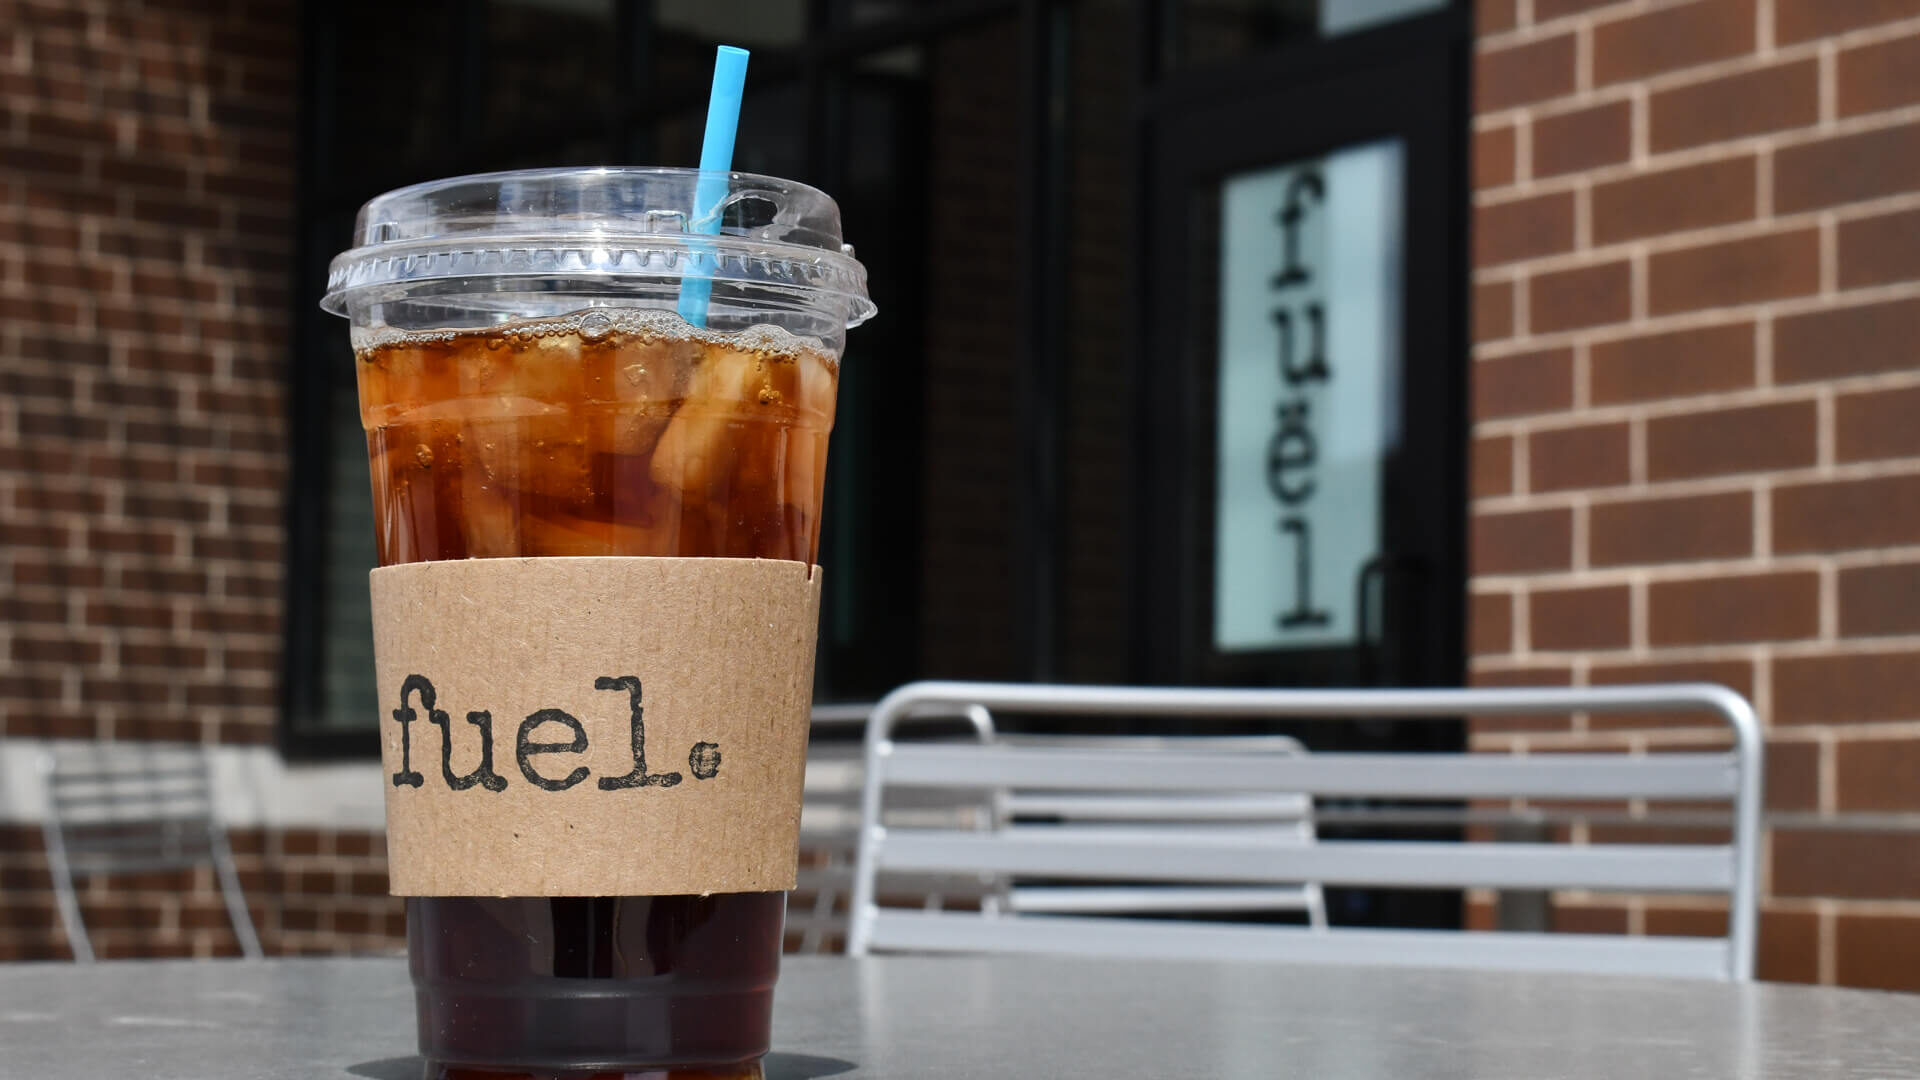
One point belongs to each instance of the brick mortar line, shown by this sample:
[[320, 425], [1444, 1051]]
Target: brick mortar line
[[1828, 600], [1825, 435], [1554, 26], [1759, 57], [1583, 216], [1554, 107], [1795, 649], [89, 255], [1773, 904], [194, 163], [146, 304], [1703, 485], [1829, 255], [121, 218], [1710, 152], [1700, 316], [1842, 385], [1826, 87], [1826, 222], [1639, 284], [1651, 742], [1648, 575], [1522, 465], [1583, 46], [217, 60], [1844, 906], [1639, 624], [1655, 408], [1763, 183], [1827, 780]]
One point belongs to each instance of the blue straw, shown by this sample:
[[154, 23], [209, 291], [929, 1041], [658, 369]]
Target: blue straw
[[716, 160]]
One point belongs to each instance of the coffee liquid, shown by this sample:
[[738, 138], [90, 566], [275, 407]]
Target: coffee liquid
[[606, 432]]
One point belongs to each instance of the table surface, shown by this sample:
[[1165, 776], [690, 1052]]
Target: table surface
[[974, 1017]]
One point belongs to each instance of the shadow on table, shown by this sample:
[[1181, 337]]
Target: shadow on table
[[777, 1066]]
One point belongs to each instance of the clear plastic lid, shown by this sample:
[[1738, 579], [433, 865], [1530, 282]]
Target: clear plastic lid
[[515, 244]]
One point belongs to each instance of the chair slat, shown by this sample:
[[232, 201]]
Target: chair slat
[[1406, 776], [148, 802], [85, 866], [1508, 951], [134, 777], [1235, 807], [1209, 856], [1120, 900]]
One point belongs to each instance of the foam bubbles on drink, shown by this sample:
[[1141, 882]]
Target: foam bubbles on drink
[[596, 324]]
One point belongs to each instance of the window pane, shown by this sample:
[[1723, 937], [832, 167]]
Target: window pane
[[750, 24], [773, 133], [346, 615], [546, 61], [869, 622], [1218, 30], [392, 104]]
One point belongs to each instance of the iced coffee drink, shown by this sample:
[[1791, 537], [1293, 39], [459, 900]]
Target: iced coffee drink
[[548, 417]]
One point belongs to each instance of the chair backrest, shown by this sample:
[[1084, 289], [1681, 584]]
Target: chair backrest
[[123, 808], [1727, 869], [127, 808], [817, 908]]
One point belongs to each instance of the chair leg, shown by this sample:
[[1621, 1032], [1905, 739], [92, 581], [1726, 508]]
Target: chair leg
[[1316, 907], [236, 900], [64, 895]]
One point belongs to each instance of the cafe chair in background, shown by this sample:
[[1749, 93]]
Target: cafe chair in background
[[830, 827], [1470, 781], [817, 912], [129, 808]]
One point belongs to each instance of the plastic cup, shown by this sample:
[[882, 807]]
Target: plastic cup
[[528, 390]]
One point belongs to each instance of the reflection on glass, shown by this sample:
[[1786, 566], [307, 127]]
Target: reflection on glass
[[346, 616], [750, 24], [773, 132], [379, 120], [908, 61], [860, 12], [1343, 16], [1219, 30], [521, 79]]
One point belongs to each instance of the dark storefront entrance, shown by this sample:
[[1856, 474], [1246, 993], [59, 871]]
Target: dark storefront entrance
[[1168, 381]]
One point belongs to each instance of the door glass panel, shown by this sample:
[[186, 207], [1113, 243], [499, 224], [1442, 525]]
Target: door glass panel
[[1309, 352]]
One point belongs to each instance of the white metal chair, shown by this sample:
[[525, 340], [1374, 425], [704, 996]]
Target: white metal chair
[[1726, 869], [128, 808]]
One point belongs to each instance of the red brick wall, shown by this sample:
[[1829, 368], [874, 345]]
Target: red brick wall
[[146, 189], [309, 891], [146, 218], [1696, 455]]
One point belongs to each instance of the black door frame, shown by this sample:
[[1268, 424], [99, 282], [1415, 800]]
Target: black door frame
[[1407, 80]]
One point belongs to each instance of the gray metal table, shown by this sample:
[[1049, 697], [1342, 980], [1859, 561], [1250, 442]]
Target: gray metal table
[[974, 1017]]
